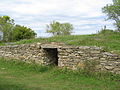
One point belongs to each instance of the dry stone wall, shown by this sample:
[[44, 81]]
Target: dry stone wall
[[28, 52], [77, 57], [64, 56]]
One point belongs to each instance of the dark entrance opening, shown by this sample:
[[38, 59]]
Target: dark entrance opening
[[51, 56]]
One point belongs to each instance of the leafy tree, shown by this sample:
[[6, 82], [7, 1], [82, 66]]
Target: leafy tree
[[57, 28], [113, 12], [6, 27], [66, 28], [22, 32], [14, 32]]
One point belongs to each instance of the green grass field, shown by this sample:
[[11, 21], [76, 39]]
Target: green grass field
[[108, 39], [16, 75]]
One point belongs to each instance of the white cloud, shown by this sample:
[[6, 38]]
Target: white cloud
[[37, 13]]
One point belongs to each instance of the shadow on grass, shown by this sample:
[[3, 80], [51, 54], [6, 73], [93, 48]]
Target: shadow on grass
[[11, 87], [17, 87]]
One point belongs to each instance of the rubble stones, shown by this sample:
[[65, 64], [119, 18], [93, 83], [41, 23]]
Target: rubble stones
[[68, 56]]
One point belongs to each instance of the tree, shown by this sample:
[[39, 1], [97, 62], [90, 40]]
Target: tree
[[113, 12], [22, 32], [6, 27], [57, 28], [14, 32], [66, 28]]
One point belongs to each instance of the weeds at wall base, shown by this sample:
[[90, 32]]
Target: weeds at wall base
[[32, 67]]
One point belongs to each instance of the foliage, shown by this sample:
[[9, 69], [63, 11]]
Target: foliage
[[22, 32], [113, 12], [17, 75], [6, 27], [90, 66], [12, 32], [57, 28]]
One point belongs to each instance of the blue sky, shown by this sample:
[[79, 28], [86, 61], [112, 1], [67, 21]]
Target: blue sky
[[85, 15]]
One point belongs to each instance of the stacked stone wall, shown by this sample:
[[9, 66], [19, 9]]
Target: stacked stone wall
[[25, 52], [77, 57], [68, 56]]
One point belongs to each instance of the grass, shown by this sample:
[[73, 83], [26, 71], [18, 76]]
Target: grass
[[110, 40], [16, 75]]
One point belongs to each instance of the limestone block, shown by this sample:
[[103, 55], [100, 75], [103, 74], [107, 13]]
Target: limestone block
[[109, 67], [103, 59], [94, 52], [84, 47], [80, 52]]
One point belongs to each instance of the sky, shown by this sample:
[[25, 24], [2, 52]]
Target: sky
[[85, 15]]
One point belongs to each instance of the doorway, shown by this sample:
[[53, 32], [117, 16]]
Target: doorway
[[51, 56]]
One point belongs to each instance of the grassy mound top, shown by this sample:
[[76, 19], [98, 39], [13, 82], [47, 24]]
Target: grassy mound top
[[106, 38]]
